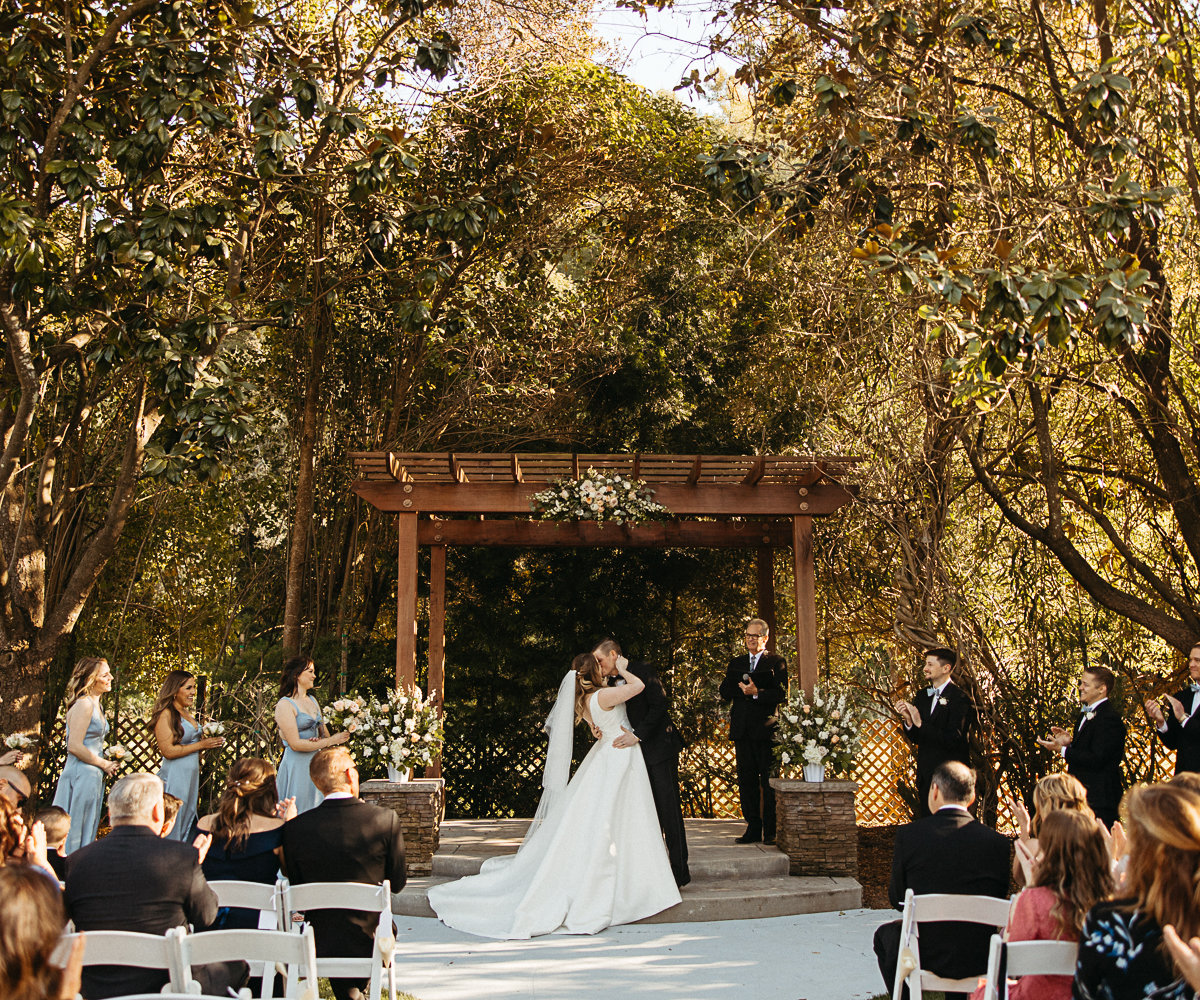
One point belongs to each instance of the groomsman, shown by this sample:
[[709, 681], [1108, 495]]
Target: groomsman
[[756, 684], [1095, 749], [1179, 728], [938, 722]]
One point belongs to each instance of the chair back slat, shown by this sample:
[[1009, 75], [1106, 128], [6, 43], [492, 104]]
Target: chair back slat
[[360, 896], [245, 895]]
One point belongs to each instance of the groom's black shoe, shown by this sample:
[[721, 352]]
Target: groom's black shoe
[[768, 838], [751, 836]]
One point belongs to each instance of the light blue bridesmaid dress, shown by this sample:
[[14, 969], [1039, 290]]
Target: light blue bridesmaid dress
[[181, 778], [292, 778], [80, 788]]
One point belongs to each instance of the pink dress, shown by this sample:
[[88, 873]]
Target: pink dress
[[1030, 920]]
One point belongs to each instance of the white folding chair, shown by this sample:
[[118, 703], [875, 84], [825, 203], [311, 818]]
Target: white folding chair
[[357, 896], [1027, 958], [940, 906], [250, 896], [297, 952], [130, 948]]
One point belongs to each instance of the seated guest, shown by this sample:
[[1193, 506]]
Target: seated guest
[[133, 880], [1053, 791], [1121, 946], [14, 787], [21, 845], [247, 831], [171, 806], [57, 823], [1066, 878], [31, 924], [948, 851], [343, 840]]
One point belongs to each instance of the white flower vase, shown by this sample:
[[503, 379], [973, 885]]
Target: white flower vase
[[814, 772], [399, 774]]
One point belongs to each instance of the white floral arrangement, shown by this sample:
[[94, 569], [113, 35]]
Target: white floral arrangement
[[821, 731], [114, 751], [352, 714], [600, 497], [19, 741], [212, 728], [406, 730]]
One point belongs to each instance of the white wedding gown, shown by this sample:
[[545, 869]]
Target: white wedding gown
[[597, 859]]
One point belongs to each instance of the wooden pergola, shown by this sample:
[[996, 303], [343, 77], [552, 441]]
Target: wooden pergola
[[719, 501]]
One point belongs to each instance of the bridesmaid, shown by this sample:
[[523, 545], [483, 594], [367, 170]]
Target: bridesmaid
[[299, 719], [178, 735], [80, 788]]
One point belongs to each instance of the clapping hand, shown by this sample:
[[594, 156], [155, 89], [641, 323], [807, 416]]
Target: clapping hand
[[1029, 861], [908, 713], [202, 843], [285, 809], [1177, 708], [1154, 710], [1185, 953], [1059, 739], [1021, 814]]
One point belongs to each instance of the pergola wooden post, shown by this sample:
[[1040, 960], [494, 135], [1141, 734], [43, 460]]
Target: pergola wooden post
[[720, 501]]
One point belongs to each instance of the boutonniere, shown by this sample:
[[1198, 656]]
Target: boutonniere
[[943, 701], [1089, 714]]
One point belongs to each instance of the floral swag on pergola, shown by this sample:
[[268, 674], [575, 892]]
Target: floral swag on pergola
[[599, 497]]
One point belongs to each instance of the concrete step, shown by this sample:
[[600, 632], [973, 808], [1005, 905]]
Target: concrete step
[[724, 899]]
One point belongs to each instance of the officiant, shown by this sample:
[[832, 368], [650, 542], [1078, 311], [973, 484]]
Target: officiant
[[756, 685]]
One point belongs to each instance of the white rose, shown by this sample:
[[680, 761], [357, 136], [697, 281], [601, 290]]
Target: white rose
[[428, 737], [395, 729], [367, 751]]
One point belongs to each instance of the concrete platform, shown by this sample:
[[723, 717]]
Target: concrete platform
[[729, 881]]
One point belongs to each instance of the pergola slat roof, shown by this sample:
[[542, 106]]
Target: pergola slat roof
[[534, 467]]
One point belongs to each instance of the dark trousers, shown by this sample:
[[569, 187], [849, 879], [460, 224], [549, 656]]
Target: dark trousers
[[664, 786], [754, 763], [887, 953], [336, 938]]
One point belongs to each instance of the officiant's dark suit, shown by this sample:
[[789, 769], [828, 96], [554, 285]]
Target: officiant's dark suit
[[944, 734], [133, 880], [1094, 757], [650, 719], [752, 729], [344, 840], [949, 852], [1184, 737]]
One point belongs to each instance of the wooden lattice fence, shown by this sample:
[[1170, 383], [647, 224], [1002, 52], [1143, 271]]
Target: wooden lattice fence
[[500, 775]]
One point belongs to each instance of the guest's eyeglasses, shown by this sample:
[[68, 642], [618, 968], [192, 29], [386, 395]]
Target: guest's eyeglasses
[[754, 635]]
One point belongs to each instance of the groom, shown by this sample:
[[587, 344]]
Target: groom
[[661, 743]]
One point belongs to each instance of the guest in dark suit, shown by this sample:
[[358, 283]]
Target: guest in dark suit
[[649, 715], [756, 684], [938, 722], [133, 880], [343, 840], [1095, 749], [948, 851], [1179, 726]]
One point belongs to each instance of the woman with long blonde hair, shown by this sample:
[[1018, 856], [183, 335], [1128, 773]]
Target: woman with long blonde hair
[[1121, 947], [1053, 791], [80, 788], [179, 738]]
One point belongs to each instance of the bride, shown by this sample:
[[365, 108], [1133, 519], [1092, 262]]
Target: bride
[[593, 855]]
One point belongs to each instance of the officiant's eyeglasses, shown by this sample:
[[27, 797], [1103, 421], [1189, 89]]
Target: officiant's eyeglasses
[[755, 635]]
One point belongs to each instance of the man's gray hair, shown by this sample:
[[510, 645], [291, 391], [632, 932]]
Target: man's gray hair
[[956, 780], [766, 629], [132, 799]]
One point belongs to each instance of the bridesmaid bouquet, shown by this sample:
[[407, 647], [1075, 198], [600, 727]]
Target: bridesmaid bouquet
[[212, 728], [352, 714], [19, 741], [115, 752], [407, 730], [821, 731]]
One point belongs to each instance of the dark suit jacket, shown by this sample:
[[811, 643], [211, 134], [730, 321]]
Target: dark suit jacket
[[344, 840], [133, 880], [943, 735], [748, 715], [650, 718], [1184, 737], [1094, 757], [951, 851]]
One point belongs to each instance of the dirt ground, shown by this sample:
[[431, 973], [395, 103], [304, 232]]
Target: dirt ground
[[875, 845]]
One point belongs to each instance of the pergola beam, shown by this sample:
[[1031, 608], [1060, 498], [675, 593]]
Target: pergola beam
[[586, 534], [700, 500]]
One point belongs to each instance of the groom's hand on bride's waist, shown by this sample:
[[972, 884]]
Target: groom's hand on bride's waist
[[626, 739]]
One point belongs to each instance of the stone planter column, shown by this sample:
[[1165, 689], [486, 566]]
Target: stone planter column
[[421, 805], [816, 826]]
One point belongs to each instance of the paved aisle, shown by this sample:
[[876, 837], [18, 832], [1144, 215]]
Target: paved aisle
[[816, 956]]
